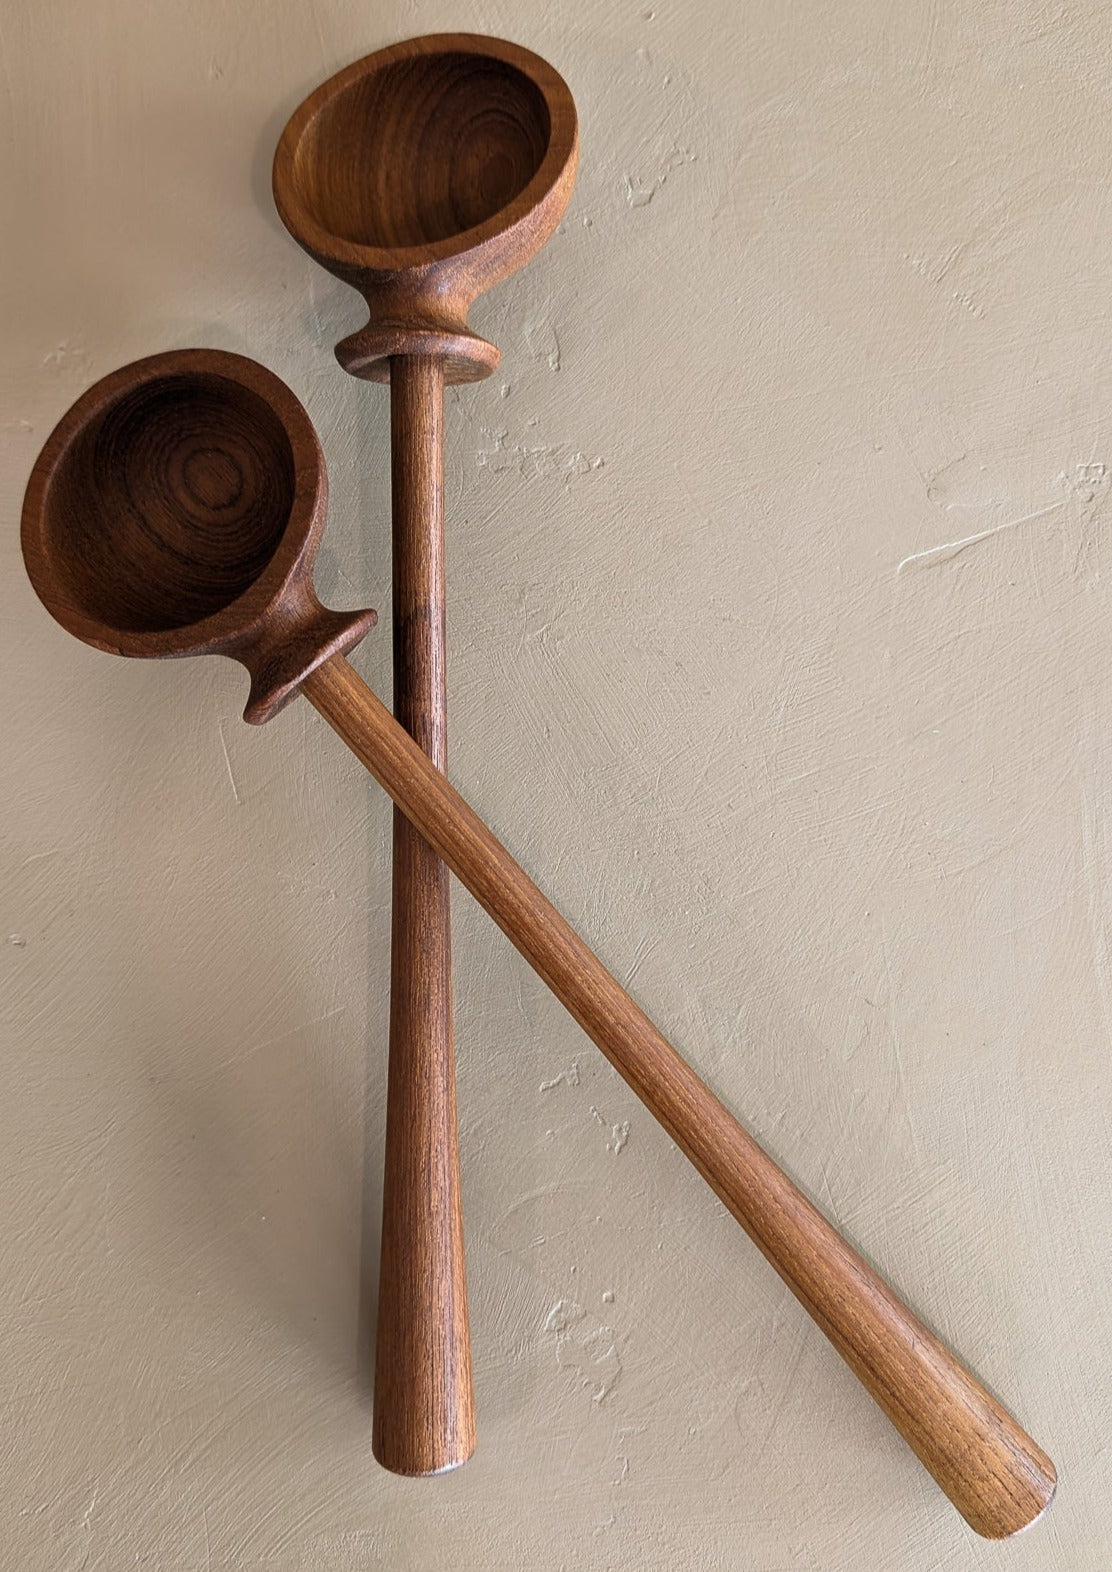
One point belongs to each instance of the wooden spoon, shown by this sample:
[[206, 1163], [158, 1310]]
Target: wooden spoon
[[176, 510], [422, 175]]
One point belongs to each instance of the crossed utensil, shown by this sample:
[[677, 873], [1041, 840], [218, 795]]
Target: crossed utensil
[[177, 509]]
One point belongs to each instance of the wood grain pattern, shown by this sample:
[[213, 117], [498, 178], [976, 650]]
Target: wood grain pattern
[[176, 509], [424, 1419], [994, 1473], [421, 175]]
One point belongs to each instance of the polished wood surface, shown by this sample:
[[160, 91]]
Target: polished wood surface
[[89, 551], [424, 1418], [995, 1474], [421, 175], [176, 509]]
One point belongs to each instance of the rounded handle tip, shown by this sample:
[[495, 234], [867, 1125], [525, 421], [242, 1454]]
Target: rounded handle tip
[[1012, 1501], [423, 1464]]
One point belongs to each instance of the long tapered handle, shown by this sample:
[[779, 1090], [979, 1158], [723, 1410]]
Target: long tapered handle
[[995, 1475], [424, 1406]]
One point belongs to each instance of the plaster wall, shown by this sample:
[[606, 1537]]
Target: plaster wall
[[780, 566]]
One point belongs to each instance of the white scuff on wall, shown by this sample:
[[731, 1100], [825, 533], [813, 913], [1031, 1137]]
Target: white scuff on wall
[[779, 652]]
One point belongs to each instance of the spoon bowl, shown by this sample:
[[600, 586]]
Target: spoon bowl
[[422, 175], [176, 509], [438, 146]]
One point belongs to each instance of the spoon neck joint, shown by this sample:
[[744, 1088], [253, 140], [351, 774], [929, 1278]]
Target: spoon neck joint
[[300, 634], [422, 318]]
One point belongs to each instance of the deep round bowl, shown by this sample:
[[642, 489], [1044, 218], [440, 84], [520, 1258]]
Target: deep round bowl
[[424, 151], [437, 145], [173, 489], [422, 175]]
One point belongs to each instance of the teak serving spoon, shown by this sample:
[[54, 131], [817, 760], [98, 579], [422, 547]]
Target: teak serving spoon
[[176, 509], [422, 175]]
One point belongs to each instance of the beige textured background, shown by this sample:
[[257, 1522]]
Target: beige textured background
[[780, 625]]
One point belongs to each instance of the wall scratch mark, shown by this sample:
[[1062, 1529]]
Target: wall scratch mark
[[936, 555], [227, 761], [257, 1048]]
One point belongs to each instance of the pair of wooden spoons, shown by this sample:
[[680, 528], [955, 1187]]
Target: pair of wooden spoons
[[177, 509]]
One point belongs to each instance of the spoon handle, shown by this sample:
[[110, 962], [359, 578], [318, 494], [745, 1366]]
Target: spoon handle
[[995, 1474], [424, 1409]]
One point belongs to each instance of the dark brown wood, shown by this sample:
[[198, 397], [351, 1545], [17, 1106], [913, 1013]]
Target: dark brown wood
[[176, 509], [993, 1472], [424, 1418], [118, 564], [421, 175]]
